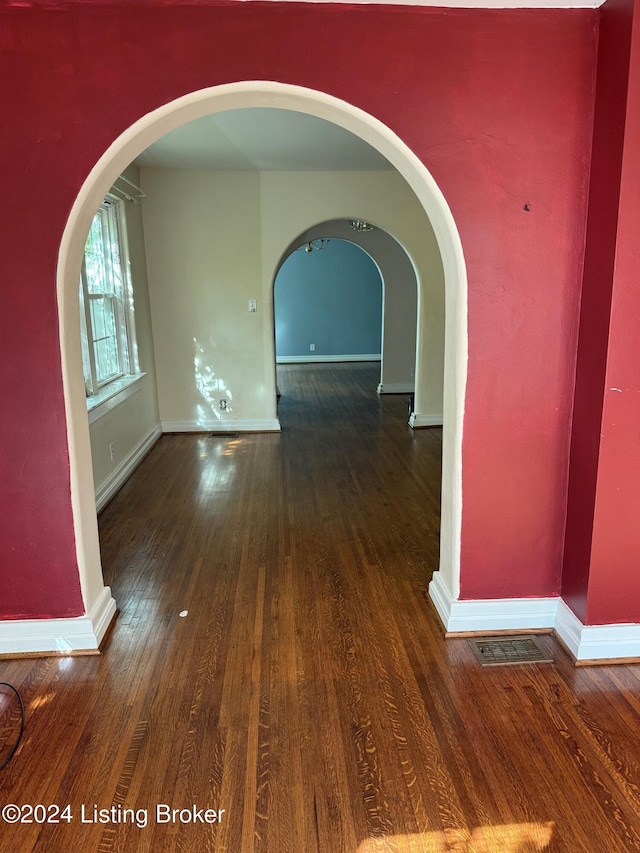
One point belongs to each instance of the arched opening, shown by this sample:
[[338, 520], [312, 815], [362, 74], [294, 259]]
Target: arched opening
[[400, 299], [138, 137], [328, 303]]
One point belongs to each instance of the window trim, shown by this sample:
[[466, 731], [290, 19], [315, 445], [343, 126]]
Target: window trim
[[112, 395], [115, 388]]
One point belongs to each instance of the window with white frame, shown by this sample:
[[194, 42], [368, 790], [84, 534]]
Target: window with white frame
[[106, 302]]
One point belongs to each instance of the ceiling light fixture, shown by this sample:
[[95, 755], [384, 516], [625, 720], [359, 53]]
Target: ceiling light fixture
[[318, 244], [361, 225]]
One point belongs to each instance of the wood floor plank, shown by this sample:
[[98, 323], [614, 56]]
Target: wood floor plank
[[277, 661]]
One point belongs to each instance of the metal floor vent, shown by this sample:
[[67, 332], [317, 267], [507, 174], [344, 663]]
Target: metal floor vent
[[501, 651]]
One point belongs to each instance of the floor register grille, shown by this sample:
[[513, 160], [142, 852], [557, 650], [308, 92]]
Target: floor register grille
[[502, 651]]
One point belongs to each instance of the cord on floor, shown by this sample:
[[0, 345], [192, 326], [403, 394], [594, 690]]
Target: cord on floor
[[19, 738]]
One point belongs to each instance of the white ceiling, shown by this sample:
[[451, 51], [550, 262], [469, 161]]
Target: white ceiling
[[262, 139]]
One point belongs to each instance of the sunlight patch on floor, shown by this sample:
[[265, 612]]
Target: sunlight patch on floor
[[39, 701], [509, 838]]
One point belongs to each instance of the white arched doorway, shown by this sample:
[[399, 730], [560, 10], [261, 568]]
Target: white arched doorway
[[139, 136], [396, 267], [328, 291]]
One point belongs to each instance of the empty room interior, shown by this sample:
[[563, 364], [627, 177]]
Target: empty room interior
[[319, 451]]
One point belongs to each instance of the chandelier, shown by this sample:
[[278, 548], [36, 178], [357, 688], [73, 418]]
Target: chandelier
[[318, 244], [361, 225]]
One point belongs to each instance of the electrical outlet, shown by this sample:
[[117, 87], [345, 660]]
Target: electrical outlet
[[253, 306], [312, 347], [223, 405], [112, 452]]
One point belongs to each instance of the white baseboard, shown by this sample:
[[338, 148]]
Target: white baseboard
[[597, 642], [497, 614], [416, 420], [593, 643], [247, 425], [320, 359], [105, 491], [59, 636], [396, 388]]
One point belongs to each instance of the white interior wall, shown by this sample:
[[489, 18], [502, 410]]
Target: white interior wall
[[134, 424], [293, 202], [202, 232], [204, 241], [215, 239]]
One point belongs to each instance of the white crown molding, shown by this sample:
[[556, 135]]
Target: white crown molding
[[417, 421], [321, 359], [247, 425], [82, 634], [125, 469], [586, 643]]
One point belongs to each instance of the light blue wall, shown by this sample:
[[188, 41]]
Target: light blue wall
[[331, 298]]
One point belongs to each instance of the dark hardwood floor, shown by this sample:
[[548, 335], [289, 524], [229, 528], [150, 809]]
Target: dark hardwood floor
[[276, 657]]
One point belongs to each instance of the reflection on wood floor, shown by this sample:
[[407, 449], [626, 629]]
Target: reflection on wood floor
[[276, 657]]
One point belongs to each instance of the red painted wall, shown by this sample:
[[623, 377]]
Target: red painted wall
[[498, 104], [614, 581], [604, 197]]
